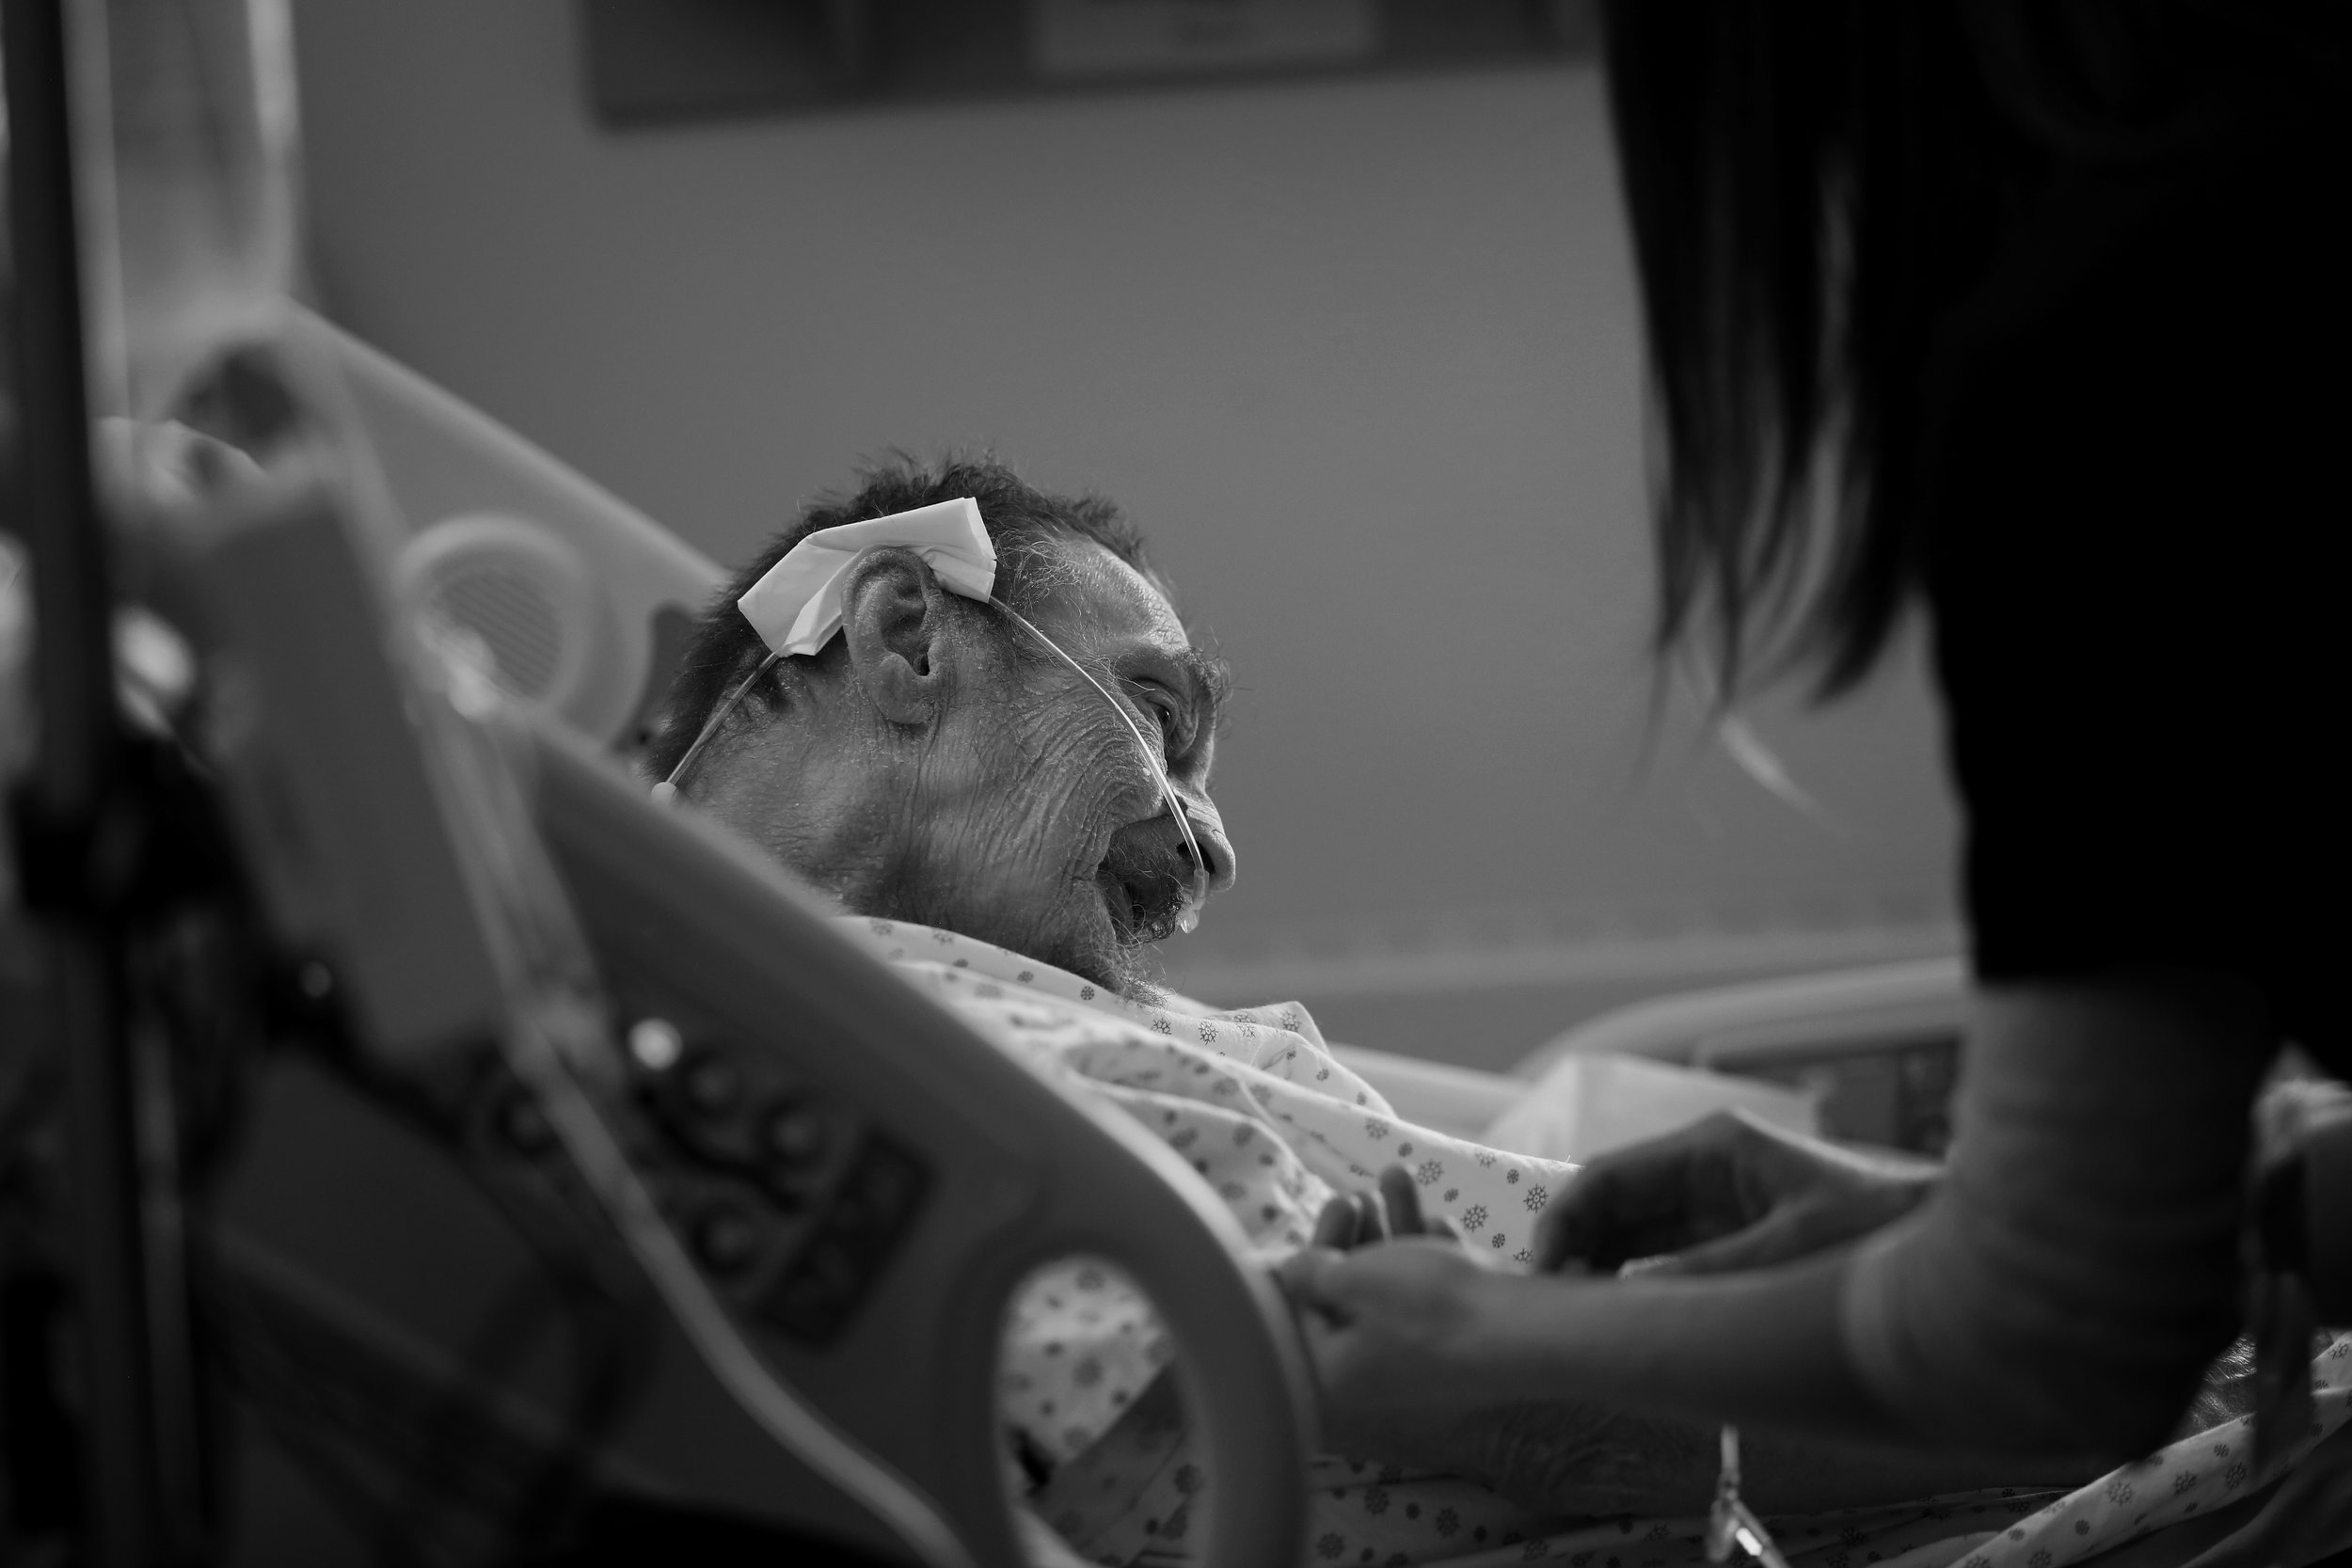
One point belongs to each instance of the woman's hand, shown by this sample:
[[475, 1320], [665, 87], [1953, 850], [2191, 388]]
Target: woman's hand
[[1386, 1326], [1728, 1192], [1390, 1331], [1359, 1219]]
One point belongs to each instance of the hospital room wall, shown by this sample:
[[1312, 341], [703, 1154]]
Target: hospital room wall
[[1361, 358]]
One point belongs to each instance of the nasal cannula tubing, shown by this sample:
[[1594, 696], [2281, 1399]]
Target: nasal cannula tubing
[[666, 791], [1196, 895]]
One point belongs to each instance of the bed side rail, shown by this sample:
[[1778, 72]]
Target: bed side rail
[[929, 1175]]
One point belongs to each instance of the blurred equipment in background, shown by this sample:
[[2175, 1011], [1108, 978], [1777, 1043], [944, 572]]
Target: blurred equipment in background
[[582, 603], [415, 1147], [1875, 1051]]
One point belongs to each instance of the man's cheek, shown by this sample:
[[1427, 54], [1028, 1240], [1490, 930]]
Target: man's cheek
[[997, 868]]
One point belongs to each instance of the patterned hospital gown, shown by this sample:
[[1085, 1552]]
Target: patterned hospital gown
[[1277, 1125]]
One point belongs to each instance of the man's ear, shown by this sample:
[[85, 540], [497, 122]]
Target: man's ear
[[895, 620]]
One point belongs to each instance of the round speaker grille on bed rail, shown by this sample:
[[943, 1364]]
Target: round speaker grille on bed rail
[[520, 590], [515, 614]]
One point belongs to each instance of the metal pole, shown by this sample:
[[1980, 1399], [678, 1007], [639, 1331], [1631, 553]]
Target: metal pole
[[78, 820]]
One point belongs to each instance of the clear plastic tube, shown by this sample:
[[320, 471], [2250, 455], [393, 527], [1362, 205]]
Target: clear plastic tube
[[666, 791], [1196, 892]]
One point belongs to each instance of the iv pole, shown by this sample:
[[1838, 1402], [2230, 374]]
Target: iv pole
[[79, 825]]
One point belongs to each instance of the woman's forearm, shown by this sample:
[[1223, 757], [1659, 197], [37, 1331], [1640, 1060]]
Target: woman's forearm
[[1761, 1347], [2081, 1267], [1586, 1397], [2058, 1297]]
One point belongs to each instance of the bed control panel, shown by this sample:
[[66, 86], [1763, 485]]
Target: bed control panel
[[880, 1190], [792, 1203], [791, 1200], [863, 1179]]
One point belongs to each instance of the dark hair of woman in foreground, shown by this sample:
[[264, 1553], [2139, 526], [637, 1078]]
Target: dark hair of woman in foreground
[[1815, 188], [2032, 313]]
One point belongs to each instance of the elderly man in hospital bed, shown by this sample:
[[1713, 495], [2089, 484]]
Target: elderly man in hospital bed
[[968, 712]]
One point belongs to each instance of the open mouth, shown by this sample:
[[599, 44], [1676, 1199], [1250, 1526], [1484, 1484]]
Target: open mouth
[[1143, 885]]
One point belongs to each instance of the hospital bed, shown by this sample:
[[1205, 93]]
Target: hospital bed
[[832, 1187], [363, 1282], [526, 1151], [544, 1145], [585, 604]]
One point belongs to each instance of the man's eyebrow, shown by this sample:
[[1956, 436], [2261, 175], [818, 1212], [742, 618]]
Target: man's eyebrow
[[1211, 678]]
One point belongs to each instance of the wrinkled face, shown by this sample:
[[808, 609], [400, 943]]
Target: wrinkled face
[[1037, 823]]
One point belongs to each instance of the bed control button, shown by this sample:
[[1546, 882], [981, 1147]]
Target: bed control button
[[524, 1126], [726, 1239], [711, 1084], [801, 1308], [816, 1295], [888, 1183], [830, 1268], [783, 1191], [655, 1044], [872, 1208], [793, 1133]]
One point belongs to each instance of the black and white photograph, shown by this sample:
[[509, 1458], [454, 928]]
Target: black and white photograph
[[1174, 783]]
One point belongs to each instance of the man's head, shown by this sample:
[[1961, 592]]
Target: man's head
[[933, 763]]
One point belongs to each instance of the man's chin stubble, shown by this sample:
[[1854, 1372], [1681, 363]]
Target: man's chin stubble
[[1086, 943], [1099, 952]]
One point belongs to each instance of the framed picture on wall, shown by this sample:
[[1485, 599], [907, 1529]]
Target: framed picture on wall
[[654, 61]]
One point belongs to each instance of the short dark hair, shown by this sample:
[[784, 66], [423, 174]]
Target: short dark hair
[[1020, 519]]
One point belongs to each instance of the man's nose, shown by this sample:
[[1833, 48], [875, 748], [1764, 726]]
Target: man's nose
[[1208, 829]]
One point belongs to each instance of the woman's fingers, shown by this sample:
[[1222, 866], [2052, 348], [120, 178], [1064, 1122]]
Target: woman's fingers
[[1353, 1220], [1811, 1223], [1411, 1280], [1314, 1281], [1335, 1228], [1780, 1236], [1391, 1332], [1623, 1206], [1661, 1196], [1300, 1275], [1402, 1201]]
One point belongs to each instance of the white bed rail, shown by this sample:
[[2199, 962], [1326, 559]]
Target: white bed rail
[[1808, 1016]]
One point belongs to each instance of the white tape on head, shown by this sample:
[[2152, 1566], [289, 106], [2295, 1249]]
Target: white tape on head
[[796, 606]]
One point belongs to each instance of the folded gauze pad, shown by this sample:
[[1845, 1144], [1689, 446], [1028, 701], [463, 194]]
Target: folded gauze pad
[[796, 607]]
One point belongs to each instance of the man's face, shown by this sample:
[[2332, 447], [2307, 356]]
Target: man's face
[[1036, 823]]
